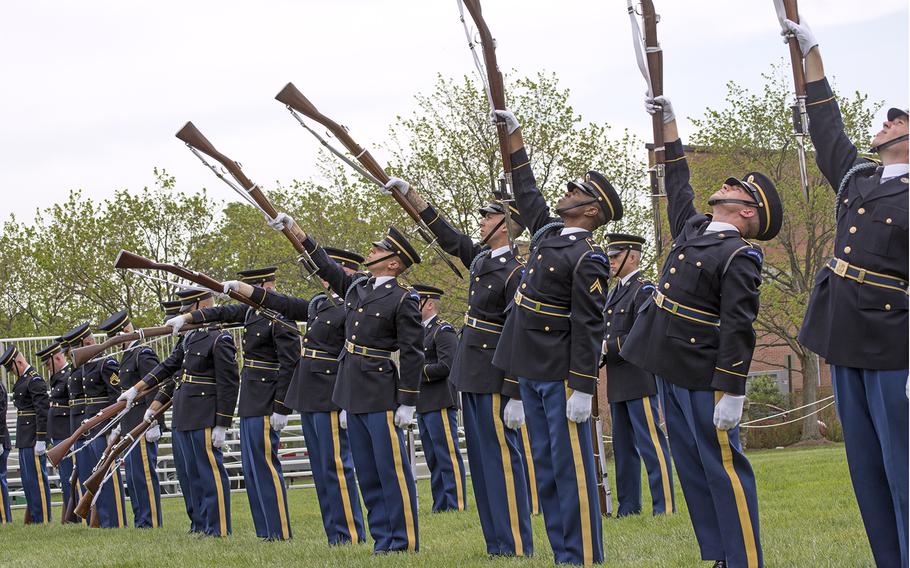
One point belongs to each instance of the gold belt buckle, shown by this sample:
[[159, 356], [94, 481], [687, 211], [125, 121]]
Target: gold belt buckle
[[840, 267], [349, 346], [659, 300]]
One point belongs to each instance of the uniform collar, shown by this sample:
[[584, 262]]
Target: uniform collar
[[718, 226], [380, 280], [625, 279], [499, 251], [570, 230], [429, 321], [894, 170]]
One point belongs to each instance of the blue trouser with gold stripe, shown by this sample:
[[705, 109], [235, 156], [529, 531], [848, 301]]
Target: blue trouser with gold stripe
[[203, 482], [33, 471], [716, 478], [5, 513], [566, 478], [439, 439], [872, 407], [142, 481], [65, 470], [264, 478], [527, 460], [636, 436], [333, 473], [110, 501], [497, 473], [386, 482]]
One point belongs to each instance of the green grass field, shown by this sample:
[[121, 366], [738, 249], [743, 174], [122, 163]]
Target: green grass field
[[808, 518]]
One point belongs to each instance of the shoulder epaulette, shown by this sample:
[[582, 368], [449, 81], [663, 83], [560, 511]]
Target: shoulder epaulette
[[110, 363], [225, 336], [314, 303], [542, 231]]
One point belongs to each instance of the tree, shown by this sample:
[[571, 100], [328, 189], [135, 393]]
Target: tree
[[753, 132]]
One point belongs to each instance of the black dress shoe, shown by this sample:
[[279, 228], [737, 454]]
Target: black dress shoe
[[720, 564]]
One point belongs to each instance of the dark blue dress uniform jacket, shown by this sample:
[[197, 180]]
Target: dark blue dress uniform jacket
[[387, 319], [717, 274], [570, 272], [848, 323], [492, 286], [206, 391], [4, 429], [58, 418], [314, 377], [100, 385], [439, 345], [270, 353], [31, 401], [625, 381], [77, 398], [135, 364]]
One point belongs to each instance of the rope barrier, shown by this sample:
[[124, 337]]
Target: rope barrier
[[751, 424]]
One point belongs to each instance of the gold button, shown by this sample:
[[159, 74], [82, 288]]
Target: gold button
[[666, 285], [572, 237], [888, 220], [861, 210], [328, 322], [852, 230], [380, 369], [552, 269], [377, 314], [327, 372], [484, 345], [887, 306], [356, 323], [359, 310], [681, 256], [353, 337], [539, 256], [546, 328], [489, 285], [846, 201], [698, 263], [847, 250], [672, 270], [610, 311], [524, 285], [531, 271], [477, 279], [472, 292], [691, 340], [609, 323]]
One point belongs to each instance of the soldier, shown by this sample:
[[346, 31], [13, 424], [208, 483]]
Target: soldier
[[310, 392], [632, 391], [382, 316], [30, 399], [492, 412], [437, 406], [696, 334], [857, 314], [204, 399], [58, 419], [551, 342], [270, 352], [141, 463], [5, 513]]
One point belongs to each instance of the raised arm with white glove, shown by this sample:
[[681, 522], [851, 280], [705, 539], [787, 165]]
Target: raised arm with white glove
[[801, 31], [506, 116], [655, 104], [395, 183]]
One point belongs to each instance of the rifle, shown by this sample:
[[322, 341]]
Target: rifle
[[788, 9], [604, 494], [199, 144], [295, 102], [67, 515], [128, 260], [108, 460], [651, 63], [496, 94], [83, 355]]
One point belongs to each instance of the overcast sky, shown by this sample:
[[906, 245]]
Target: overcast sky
[[94, 91]]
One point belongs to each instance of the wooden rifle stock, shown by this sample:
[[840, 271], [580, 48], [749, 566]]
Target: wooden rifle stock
[[603, 490], [82, 355], [67, 515], [796, 55], [83, 507], [655, 58]]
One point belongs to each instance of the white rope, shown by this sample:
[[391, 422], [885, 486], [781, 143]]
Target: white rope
[[472, 45], [747, 424], [786, 412]]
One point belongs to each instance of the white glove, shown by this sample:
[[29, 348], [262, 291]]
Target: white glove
[[218, 434], [281, 221], [343, 419], [40, 448], [404, 414], [129, 395], [395, 183], [506, 116], [802, 32], [149, 414], [652, 105], [514, 414], [113, 434], [728, 411], [153, 434], [176, 323], [232, 286], [578, 407], [278, 421], [603, 347]]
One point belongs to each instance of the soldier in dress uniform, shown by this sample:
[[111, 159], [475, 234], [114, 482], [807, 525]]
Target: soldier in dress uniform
[[696, 334], [437, 406], [310, 392], [30, 399], [57, 368], [857, 314], [382, 316], [92, 387], [5, 446], [270, 353], [204, 399], [492, 411], [76, 402], [551, 341], [141, 463], [631, 390]]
